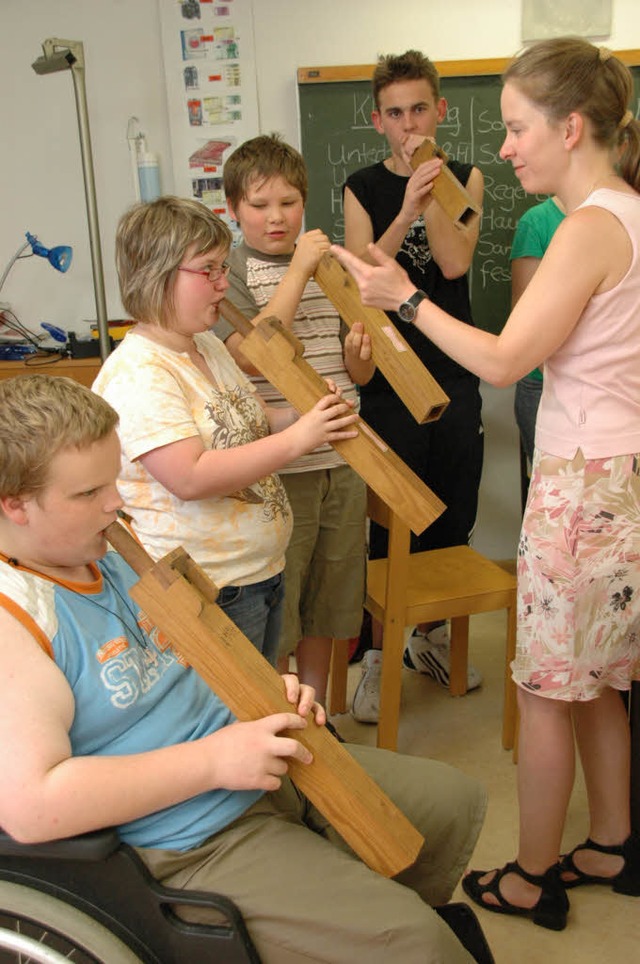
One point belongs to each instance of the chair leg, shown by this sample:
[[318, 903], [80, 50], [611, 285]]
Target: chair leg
[[390, 686], [510, 713], [338, 676], [458, 674]]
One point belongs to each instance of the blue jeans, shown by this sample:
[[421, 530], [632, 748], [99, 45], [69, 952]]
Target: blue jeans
[[257, 611], [525, 406]]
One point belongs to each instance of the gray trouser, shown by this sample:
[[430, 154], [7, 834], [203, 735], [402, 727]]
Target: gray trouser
[[306, 897]]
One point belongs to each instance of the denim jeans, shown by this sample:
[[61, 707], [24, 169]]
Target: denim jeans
[[257, 611], [525, 406]]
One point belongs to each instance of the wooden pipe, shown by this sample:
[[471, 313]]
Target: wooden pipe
[[177, 595], [451, 195], [277, 353], [412, 382]]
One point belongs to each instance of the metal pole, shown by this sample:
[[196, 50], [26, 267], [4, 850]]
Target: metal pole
[[77, 71]]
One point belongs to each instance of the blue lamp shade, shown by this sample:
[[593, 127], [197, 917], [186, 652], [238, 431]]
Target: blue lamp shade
[[59, 257]]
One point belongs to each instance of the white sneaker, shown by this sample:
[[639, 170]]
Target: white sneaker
[[366, 700], [431, 654]]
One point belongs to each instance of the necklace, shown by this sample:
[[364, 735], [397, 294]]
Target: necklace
[[134, 631]]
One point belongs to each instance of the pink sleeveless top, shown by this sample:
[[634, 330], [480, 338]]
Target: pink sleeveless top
[[591, 394]]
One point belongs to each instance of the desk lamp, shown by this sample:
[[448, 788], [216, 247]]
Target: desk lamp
[[59, 257], [69, 55]]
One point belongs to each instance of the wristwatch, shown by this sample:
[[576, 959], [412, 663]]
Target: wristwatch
[[407, 310]]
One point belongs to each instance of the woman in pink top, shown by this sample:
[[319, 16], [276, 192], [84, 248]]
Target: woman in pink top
[[569, 132]]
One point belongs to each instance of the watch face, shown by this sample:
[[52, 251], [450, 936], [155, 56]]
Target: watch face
[[406, 311]]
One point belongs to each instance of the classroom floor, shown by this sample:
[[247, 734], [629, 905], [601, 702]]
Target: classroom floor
[[603, 927]]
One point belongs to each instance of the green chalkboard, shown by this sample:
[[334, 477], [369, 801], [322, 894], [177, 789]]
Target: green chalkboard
[[337, 137]]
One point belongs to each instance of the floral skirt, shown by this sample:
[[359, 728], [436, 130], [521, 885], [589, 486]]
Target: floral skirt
[[579, 577]]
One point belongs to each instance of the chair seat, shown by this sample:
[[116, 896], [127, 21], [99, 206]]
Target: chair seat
[[444, 583]]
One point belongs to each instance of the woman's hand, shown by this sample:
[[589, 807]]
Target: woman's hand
[[383, 284]]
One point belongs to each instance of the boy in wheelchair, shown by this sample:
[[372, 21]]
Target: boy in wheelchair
[[102, 725]]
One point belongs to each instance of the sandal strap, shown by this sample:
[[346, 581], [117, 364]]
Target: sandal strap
[[538, 880], [568, 865], [493, 887], [589, 844]]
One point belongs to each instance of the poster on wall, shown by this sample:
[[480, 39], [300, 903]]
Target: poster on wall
[[211, 91], [542, 19]]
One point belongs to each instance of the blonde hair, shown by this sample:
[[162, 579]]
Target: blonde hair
[[569, 74], [395, 68], [39, 416], [151, 241], [260, 159]]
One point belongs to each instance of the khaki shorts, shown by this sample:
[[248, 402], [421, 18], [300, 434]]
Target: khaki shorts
[[325, 568], [306, 897]]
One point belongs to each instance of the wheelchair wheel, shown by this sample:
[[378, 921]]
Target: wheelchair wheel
[[56, 925]]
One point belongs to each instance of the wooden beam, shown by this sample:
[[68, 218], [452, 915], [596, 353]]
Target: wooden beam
[[489, 66], [277, 353], [395, 358], [446, 68], [176, 594]]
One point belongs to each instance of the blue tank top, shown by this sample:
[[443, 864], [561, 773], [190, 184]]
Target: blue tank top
[[132, 692]]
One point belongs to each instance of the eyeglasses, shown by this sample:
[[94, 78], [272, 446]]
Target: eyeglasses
[[213, 274]]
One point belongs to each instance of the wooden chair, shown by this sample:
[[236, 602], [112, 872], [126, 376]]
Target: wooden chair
[[406, 589]]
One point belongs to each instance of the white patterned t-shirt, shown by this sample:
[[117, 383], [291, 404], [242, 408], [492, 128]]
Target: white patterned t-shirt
[[162, 397]]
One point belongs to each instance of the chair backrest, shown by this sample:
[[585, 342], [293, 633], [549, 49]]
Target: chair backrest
[[377, 509]]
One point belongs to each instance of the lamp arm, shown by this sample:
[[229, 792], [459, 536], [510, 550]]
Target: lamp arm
[[12, 262]]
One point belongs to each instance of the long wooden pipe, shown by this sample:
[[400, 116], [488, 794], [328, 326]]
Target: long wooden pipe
[[391, 352], [177, 595], [278, 354]]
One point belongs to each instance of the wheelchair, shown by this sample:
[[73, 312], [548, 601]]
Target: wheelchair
[[91, 900]]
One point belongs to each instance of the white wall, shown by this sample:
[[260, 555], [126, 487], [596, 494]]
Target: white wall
[[42, 186], [300, 33]]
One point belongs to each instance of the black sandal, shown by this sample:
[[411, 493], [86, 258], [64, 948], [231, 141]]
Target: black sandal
[[552, 906], [627, 881]]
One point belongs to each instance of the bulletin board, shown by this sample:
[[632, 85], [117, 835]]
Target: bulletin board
[[210, 73]]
